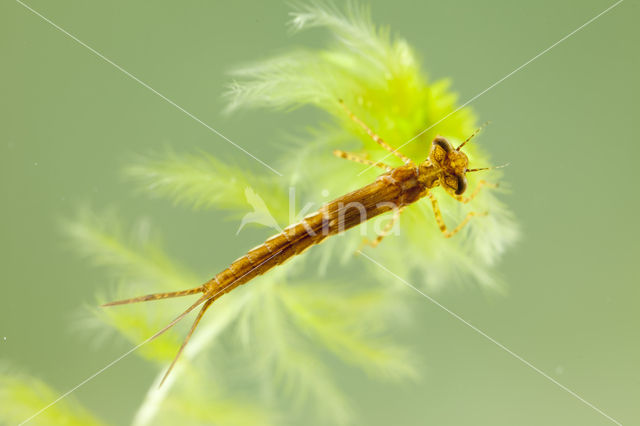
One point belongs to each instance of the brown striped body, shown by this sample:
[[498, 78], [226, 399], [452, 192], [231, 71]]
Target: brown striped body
[[395, 189]]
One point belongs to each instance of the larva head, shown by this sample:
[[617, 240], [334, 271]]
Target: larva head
[[452, 162]]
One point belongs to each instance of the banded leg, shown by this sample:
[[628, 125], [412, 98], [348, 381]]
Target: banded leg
[[442, 225], [475, 192], [387, 229], [358, 159], [377, 139]]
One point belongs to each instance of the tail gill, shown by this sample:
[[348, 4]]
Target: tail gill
[[156, 296], [207, 299]]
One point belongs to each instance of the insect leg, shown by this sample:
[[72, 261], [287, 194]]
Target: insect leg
[[475, 192], [358, 159], [442, 225], [387, 229], [377, 139]]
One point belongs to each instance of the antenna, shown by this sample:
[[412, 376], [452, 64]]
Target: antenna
[[487, 168], [473, 134]]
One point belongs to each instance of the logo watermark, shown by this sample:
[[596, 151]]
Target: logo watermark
[[322, 219]]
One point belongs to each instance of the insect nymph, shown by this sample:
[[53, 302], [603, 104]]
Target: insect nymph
[[393, 190]]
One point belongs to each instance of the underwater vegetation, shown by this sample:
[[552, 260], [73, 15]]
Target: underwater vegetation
[[302, 314]]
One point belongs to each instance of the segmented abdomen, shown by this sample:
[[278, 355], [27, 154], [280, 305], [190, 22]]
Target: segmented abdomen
[[274, 251], [334, 217]]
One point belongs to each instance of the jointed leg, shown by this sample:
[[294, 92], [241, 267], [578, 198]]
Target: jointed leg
[[387, 229], [442, 225], [377, 139], [359, 159], [475, 192]]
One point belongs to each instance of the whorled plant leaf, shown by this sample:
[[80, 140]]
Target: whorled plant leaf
[[283, 325], [140, 265], [140, 261], [286, 362], [199, 376], [380, 80], [22, 396], [136, 255], [351, 324], [199, 408], [202, 181]]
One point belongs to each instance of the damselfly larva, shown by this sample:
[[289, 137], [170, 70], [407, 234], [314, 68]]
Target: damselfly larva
[[393, 190]]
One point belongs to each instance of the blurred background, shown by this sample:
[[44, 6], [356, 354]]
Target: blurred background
[[565, 123]]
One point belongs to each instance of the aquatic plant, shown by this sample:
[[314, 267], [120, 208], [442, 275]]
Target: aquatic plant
[[285, 326]]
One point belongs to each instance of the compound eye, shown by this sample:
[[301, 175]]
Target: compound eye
[[462, 184], [439, 150], [443, 143], [452, 182]]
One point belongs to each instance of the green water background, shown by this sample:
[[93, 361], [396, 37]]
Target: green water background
[[567, 123]]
